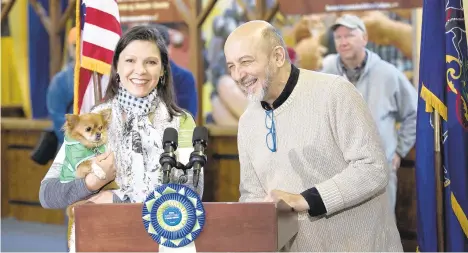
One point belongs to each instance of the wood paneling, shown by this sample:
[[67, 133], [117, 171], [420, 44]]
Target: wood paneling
[[235, 227], [21, 177], [222, 174], [405, 210]]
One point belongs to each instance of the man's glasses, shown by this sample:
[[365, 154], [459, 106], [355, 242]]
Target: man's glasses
[[271, 135]]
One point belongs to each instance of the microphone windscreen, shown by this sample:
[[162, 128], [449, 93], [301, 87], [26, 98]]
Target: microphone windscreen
[[170, 135], [200, 133]]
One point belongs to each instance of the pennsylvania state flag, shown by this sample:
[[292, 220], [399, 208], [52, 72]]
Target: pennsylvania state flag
[[443, 87]]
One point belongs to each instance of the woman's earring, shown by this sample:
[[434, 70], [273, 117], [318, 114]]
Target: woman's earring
[[162, 79]]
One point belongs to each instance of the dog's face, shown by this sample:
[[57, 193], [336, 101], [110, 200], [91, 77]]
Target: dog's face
[[89, 129]]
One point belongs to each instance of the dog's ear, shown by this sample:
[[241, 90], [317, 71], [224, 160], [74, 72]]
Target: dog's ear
[[71, 120], [106, 115]]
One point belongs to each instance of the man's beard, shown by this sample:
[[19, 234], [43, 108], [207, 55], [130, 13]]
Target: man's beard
[[258, 96]]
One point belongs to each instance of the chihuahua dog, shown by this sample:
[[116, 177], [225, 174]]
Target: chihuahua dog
[[85, 137], [90, 130]]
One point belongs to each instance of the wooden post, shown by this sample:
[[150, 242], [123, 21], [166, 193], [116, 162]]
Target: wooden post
[[194, 17], [6, 10], [54, 23], [260, 11], [54, 38], [97, 87], [270, 13], [439, 182], [416, 18]]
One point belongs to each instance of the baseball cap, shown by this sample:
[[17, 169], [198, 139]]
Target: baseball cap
[[72, 34], [349, 21]]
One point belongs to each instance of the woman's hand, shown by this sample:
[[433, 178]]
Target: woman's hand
[[106, 162], [102, 197]]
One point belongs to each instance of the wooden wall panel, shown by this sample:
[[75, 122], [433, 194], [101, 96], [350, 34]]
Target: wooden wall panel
[[222, 175], [21, 177]]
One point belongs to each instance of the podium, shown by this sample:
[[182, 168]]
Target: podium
[[229, 227]]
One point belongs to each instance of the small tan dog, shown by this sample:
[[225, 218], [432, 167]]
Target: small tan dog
[[85, 138]]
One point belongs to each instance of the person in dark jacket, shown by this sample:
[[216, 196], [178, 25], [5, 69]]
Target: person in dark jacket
[[184, 82], [60, 91]]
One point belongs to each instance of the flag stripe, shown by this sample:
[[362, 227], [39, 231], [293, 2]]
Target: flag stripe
[[97, 52], [107, 6], [96, 58], [461, 216], [103, 19], [95, 65], [85, 79], [100, 36], [96, 44]]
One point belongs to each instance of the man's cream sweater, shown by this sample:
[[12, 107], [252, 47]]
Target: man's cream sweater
[[326, 138]]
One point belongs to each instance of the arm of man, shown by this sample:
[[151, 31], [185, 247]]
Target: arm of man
[[406, 99], [249, 187], [356, 134], [57, 195]]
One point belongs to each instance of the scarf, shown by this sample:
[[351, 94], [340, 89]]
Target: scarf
[[137, 143]]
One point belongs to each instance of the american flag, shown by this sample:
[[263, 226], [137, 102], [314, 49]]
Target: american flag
[[100, 30]]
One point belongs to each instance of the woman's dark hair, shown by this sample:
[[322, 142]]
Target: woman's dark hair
[[166, 89]]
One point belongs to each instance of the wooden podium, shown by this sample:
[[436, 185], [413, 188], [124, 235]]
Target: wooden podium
[[229, 227]]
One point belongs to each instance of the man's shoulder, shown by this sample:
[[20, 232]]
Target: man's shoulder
[[306, 74], [329, 63], [313, 81], [319, 85]]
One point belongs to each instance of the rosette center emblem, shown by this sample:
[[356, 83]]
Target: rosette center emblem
[[173, 215]]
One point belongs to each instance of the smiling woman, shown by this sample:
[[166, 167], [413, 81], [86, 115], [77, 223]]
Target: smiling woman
[[140, 94], [140, 67]]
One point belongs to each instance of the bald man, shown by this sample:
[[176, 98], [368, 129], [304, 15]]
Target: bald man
[[309, 139]]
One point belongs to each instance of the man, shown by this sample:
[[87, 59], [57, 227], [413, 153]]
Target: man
[[184, 82], [308, 138], [61, 88], [390, 96]]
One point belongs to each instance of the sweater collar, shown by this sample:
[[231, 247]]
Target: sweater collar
[[288, 89]]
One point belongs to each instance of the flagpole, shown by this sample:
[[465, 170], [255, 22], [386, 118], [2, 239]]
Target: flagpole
[[439, 183], [97, 88]]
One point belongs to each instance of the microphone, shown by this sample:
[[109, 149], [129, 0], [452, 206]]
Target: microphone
[[198, 157], [168, 157]]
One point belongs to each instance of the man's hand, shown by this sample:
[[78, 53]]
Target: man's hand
[[296, 201], [102, 197], [396, 161]]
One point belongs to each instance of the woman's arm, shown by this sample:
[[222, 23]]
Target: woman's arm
[[55, 194]]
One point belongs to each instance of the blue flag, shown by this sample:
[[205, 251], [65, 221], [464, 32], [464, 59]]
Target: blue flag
[[443, 87]]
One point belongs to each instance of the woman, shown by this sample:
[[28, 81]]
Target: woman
[[140, 94]]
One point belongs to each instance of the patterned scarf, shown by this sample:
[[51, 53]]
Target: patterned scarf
[[137, 143]]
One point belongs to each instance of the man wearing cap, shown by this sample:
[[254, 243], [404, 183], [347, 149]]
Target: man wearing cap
[[390, 96], [61, 88]]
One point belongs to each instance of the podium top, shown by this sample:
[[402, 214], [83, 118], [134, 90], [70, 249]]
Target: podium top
[[229, 227]]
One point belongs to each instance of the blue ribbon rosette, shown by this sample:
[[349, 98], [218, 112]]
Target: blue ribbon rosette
[[173, 215]]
